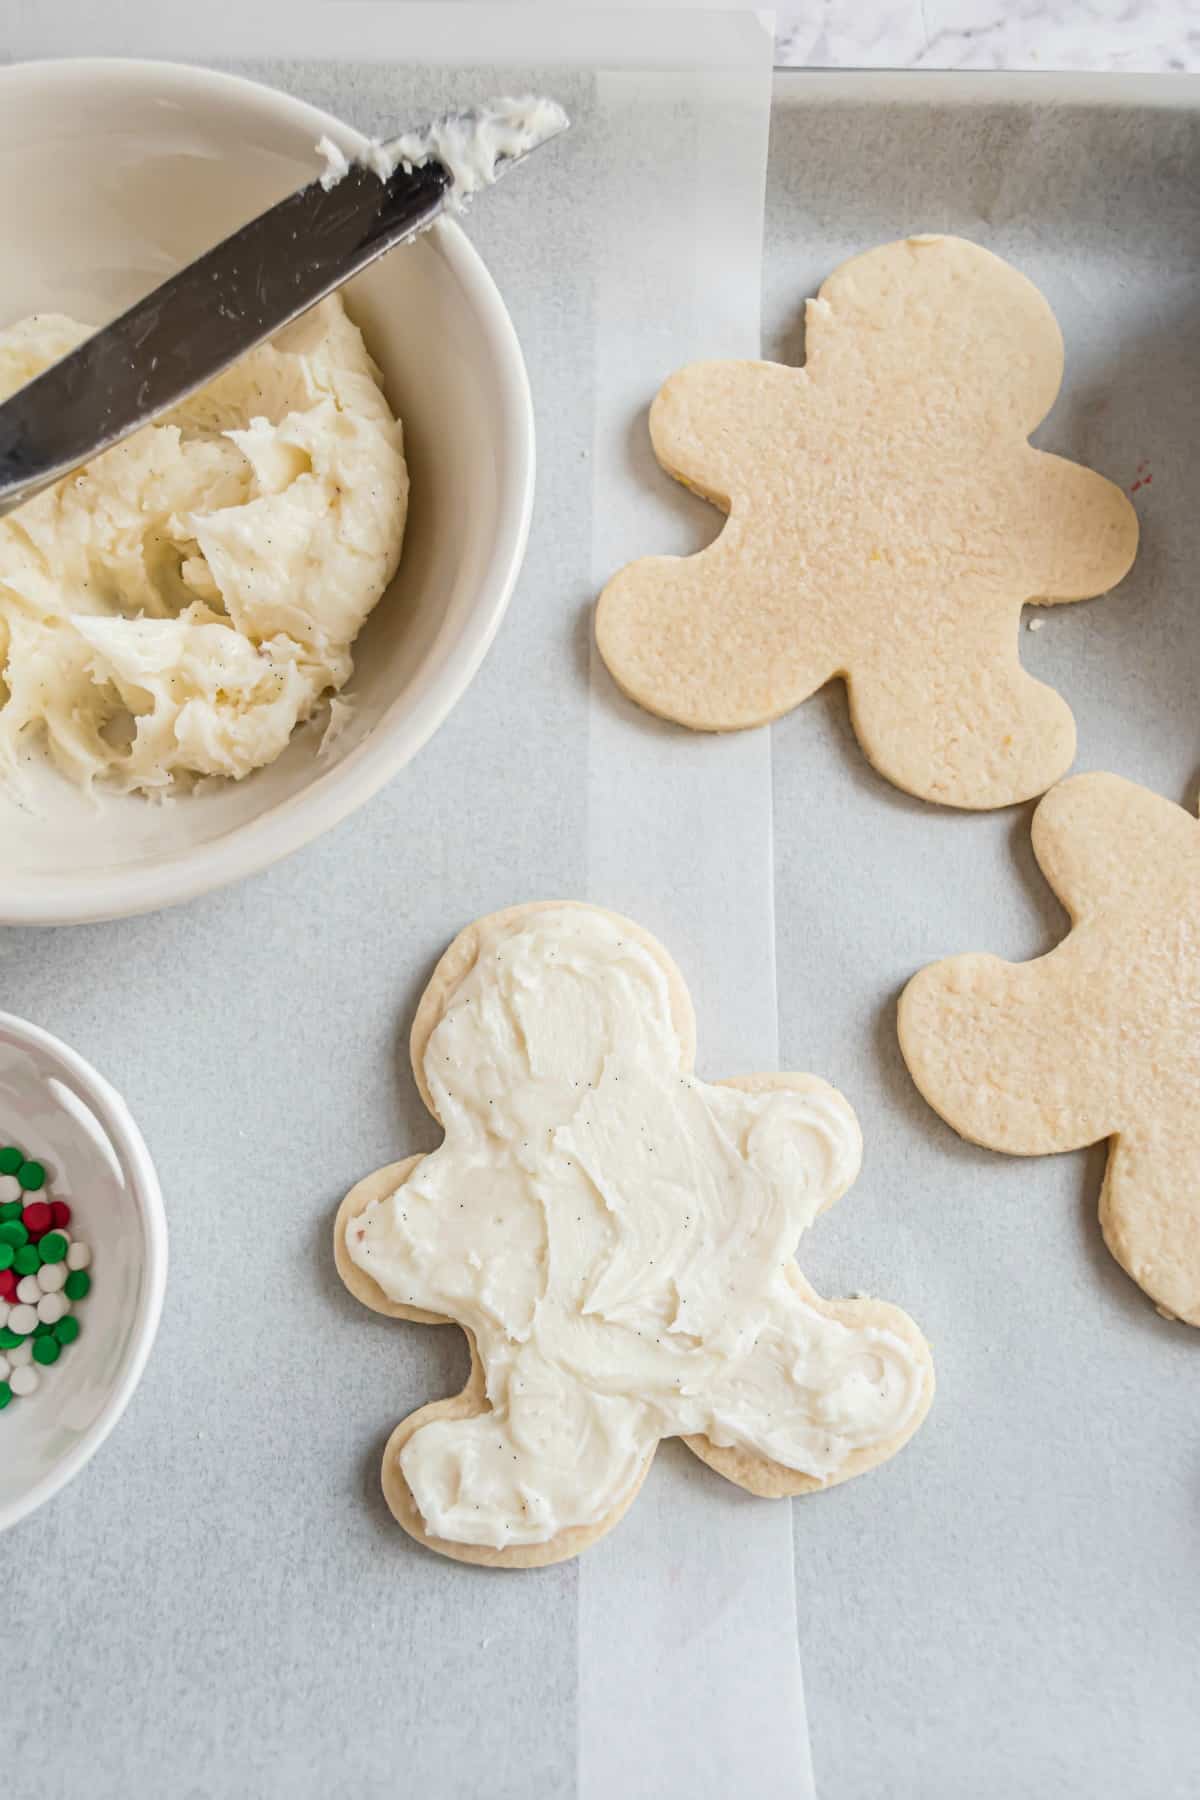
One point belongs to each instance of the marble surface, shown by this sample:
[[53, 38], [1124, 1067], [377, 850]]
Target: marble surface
[[990, 34]]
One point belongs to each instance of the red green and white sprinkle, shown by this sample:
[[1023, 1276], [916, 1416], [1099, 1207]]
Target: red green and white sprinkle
[[43, 1276]]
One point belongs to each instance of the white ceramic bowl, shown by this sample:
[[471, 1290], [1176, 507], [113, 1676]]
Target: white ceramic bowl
[[56, 1108], [112, 174]]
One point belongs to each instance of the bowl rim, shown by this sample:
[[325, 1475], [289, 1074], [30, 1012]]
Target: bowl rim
[[130, 1146], [257, 844]]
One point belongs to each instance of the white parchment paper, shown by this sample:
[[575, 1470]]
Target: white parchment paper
[[687, 1616]]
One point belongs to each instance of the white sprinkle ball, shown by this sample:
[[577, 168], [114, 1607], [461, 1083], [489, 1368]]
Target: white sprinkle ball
[[5, 1368], [25, 1380], [51, 1276], [79, 1256], [10, 1189], [51, 1308], [29, 1290], [21, 1354], [22, 1319]]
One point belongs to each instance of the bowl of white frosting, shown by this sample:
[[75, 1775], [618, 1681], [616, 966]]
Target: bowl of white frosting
[[226, 633], [79, 1133]]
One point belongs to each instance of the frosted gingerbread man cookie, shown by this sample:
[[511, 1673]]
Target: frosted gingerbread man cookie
[[887, 521], [1098, 1040], [616, 1239]]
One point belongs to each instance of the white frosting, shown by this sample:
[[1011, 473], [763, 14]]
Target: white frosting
[[341, 717], [335, 162], [174, 608], [473, 146], [616, 1236]]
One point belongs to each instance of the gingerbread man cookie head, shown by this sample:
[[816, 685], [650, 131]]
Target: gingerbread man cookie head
[[616, 1238], [558, 1011], [1098, 1040], [887, 521]]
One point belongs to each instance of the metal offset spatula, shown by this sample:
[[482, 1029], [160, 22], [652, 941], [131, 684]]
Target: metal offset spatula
[[233, 297]]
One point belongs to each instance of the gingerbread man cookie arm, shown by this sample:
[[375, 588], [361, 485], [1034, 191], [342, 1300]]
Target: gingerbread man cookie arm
[[678, 638], [956, 719], [364, 1287], [840, 1172], [708, 421], [1077, 531]]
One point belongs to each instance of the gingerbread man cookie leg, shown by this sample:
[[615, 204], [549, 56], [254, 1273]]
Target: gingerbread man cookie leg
[[887, 520], [889, 1353], [960, 722], [615, 1237], [1099, 1039], [468, 1475]]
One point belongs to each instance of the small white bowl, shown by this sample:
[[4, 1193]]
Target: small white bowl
[[63, 1114], [113, 174]]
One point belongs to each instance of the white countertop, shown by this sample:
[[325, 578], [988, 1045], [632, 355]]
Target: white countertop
[[990, 34]]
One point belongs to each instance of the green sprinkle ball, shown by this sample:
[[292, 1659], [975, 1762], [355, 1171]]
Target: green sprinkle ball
[[7, 1256], [53, 1247], [13, 1232], [11, 1159], [9, 1339], [77, 1284], [67, 1329], [10, 1209], [5, 1395], [31, 1176], [46, 1350], [27, 1260]]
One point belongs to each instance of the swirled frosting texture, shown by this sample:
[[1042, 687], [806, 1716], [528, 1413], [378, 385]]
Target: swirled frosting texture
[[617, 1237], [177, 606]]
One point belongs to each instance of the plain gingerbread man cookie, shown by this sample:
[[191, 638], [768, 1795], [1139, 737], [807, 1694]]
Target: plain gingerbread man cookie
[[616, 1239], [887, 521], [1099, 1039]]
